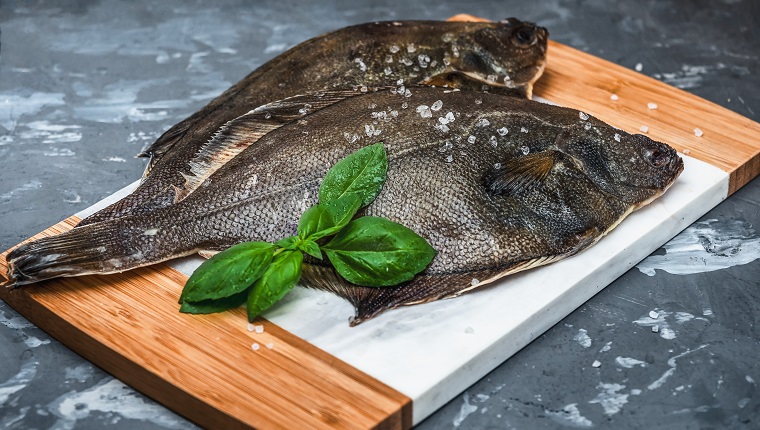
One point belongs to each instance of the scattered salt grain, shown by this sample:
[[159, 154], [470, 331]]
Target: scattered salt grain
[[394, 49], [270, 345], [523, 129], [255, 346], [644, 129], [652, 106], [655, 329], [424, 111], [436, 106], [497, 166], [698, 132], [449, 158], [617, 137], [525, 150], [639, 67], [653, 315], [469, 330], [583, 116], [686, 152], [471, 139], [503, 131], [250, 327], [474, 282], [614, 97], [482, 122], [258, 328], [587, 126], [596, 363]]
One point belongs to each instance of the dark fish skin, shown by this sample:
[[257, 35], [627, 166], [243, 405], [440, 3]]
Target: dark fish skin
[[495, 184], [453, 54]]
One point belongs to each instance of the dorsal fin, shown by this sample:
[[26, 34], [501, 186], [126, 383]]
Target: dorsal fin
[[520, 173], [242, 132]]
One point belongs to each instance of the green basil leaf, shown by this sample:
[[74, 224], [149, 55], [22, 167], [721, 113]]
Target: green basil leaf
[[212, 306], [328, 218], [362, 172], [310, 247], [280, 277], [228, 272], [376, 252], [290, 242]]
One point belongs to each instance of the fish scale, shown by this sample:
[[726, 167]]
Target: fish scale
[[484, 222]]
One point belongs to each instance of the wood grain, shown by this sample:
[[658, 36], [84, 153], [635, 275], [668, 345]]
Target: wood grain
[[203, 367]]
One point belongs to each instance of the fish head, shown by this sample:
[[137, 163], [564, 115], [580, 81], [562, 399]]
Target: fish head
[[509, 53], [632, 167]]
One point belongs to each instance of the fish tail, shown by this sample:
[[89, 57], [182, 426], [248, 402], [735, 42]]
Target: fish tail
[[107, 247]]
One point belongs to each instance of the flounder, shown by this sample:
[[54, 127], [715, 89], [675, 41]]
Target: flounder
[[495, 184], [506, 56]]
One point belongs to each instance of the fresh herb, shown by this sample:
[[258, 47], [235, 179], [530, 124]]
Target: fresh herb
[[367, 251]]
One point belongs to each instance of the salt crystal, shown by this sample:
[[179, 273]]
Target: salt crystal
[[250, 327], [686, 152], [639, 67], [596, 363], [698, 132], [497, 166], [583, 116], [523, 129], [655, 329], [503, 131], [617, 137], [644, 129], [411, 47], [258, 329], [478, 101], [424, 111], [493, 141], [587, 126], [474, 282], [388, 58], [653, 315], [614, 97], [471, 139], [436, 106], [449, 158], [491, 78], [394, 49], [469, 330], [270, 345], [525, 150], [255, 346], [388, 71], [652, 106], [482, 122]]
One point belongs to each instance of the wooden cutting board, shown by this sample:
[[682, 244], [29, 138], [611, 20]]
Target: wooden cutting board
[[312, 371]]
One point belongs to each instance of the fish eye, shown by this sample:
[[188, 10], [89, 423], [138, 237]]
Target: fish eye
[[524, 36]]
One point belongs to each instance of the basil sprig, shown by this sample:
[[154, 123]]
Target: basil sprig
[[367, 251]]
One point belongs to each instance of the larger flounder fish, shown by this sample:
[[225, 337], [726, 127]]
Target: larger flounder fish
[[495, 184], [507, 56]]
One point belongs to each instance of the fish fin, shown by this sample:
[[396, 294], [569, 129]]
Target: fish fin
[[520, 173], [206, 253], [242, 132], [369, 302], [156, 150], [463, 81]]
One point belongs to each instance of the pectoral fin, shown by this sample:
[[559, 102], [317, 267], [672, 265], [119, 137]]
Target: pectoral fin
[[245, 130], [463, 81], [521, 173]]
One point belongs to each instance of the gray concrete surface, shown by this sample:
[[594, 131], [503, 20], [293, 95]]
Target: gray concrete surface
[[84, 85]]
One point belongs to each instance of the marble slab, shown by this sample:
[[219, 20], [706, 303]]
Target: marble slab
[[434, 351]]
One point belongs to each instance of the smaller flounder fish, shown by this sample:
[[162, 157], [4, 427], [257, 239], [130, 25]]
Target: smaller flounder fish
[[506, 56], [495, 184]]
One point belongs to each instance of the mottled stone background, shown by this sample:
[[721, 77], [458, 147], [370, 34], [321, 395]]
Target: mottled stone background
[[84, 85]]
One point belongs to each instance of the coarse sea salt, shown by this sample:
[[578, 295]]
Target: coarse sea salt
[[258, 329], [644, 129], [596, 363], [698, 132], [653, 314], [651, 106], [251, 327], [270, 345], [614, 97], [255, 346]]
